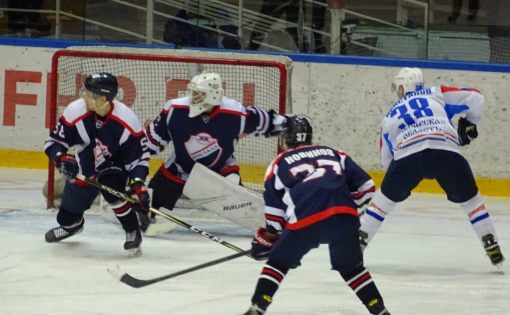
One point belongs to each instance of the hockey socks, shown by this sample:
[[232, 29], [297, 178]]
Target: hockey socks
[[129, 221], [269, 281], [374, 216], [360, 281]]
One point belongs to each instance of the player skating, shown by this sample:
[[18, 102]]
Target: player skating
[[203, 127], [419, 141], [312, 194], [110, 146]]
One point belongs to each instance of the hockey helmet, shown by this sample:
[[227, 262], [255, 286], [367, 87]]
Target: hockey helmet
[[411, 79], [298, 131], [102, 83], [205, 91]]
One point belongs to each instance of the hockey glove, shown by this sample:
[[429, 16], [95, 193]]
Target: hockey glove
[[67, 166], [262, 243], [277, 124], [467, 131], [140, 192]]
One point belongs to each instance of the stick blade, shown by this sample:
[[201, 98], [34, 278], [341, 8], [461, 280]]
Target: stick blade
[[118, 273]]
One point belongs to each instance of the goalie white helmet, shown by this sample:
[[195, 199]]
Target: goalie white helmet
[[411, 79], [205, 92]]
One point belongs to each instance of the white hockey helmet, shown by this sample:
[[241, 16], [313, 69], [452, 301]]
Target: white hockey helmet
[[411, 79], [205, 91]]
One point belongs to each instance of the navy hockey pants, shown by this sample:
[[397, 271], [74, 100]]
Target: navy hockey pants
[[340, 232], [450, 169], [76, 199]]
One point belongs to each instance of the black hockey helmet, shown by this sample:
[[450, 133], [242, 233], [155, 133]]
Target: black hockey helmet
[[298, 130], [102, 83]]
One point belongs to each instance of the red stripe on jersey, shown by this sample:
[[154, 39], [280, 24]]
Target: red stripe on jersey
[[170, 176], [275, 218], [148, 133], [317, 217], [229, 170], [126, 125], [273, 274], [446, 89], [180, 106], [270, 174], [364, 278]]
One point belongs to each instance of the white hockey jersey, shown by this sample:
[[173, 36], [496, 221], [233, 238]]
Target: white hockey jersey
[[422, 120]]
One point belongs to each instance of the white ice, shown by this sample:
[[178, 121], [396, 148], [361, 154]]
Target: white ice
[[425, 260]]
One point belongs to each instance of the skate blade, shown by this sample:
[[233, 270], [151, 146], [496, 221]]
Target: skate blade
[[134, 252], [500, 268]]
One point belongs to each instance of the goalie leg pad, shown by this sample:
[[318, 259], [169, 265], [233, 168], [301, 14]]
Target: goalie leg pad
[[115, 178]]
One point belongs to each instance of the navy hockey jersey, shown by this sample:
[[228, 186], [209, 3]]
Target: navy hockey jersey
[[310, 183], [100, 142], [209, 139]]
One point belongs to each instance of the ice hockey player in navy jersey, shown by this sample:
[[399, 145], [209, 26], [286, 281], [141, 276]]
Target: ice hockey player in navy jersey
[[203, 127], [109, 146], [312, 195], [418, 140]]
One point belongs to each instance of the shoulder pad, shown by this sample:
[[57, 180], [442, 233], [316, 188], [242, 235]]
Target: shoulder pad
[[75, 111]]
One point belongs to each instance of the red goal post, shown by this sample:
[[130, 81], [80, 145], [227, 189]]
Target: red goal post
[[149, 77]]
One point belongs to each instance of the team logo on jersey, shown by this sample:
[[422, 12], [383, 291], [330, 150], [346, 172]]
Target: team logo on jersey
[[204, 149], [101, 153]]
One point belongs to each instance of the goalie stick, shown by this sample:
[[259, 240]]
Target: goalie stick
[[124, 277], [156, 211]]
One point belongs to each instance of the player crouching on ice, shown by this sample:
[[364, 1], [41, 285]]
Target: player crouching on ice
[[312, 195], [418, 141], [111, 147], [204, 127]]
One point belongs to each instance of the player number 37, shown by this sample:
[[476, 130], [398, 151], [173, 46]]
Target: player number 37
[[316, 170]]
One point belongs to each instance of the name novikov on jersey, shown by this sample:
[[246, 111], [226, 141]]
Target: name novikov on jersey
[[297, 176]]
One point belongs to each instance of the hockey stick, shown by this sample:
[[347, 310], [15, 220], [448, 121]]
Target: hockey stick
[[133, 282], [164, 215]]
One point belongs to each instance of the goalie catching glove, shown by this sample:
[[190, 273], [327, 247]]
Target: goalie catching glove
[[67, 165], [138, 190], [467, 131], [262, 243]]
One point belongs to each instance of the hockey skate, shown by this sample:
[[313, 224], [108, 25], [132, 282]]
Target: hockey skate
[[60, 233], [133, 243], [493, 250], [377, 308]]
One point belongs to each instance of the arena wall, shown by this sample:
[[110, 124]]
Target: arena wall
[[346, 96]]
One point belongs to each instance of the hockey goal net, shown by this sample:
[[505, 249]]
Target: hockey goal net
[[149, 77]]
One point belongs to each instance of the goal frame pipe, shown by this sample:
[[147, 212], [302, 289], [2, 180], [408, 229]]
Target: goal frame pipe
[[53, 90]]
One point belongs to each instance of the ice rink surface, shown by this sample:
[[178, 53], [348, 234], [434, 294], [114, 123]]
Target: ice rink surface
[[425, 260]]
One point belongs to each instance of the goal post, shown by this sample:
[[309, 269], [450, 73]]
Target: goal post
[[149, 77]]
